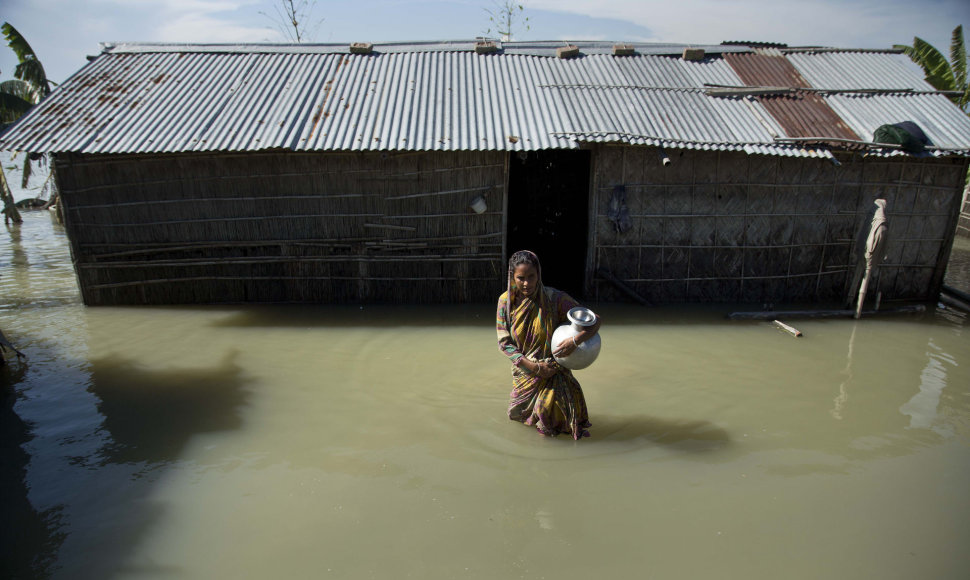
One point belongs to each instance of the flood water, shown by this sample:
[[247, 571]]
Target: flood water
[[958, 268], [348, 442]]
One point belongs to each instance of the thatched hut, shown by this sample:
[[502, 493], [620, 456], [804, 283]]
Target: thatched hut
[[408, 172]]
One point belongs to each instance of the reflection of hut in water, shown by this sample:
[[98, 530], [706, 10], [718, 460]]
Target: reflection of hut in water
[[152, 414], [29, 538], [311, 174]]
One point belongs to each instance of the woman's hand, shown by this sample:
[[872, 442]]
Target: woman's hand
[[545, 370], [566, 347], [569, 345]]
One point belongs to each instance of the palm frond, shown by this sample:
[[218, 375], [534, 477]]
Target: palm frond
[[17, 42], [16, 87], [12, 106], [958, 62], [30, 69], [933, 63]]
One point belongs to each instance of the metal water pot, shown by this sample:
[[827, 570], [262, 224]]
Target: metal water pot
[[587, 352]]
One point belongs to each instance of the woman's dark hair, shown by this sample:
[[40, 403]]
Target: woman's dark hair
[[523, 257]]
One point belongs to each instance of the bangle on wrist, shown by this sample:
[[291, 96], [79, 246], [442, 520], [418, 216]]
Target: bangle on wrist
[[576, 344]]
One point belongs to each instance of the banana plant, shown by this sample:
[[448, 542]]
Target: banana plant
[[29, 85], [944, 75], [29, 68]]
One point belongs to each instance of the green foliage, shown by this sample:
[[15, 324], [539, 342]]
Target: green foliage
[[29, 69], [15, 100], [942, 74], [17, 96], [958, 56]]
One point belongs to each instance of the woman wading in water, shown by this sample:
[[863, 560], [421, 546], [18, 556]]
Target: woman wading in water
[[544, 393]]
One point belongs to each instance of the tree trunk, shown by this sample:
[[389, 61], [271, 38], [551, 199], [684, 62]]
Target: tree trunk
[[9, 205]]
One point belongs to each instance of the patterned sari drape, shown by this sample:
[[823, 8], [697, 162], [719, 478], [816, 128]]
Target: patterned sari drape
[[556, 404]]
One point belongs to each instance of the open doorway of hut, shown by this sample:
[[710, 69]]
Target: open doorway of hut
[[548, 207]]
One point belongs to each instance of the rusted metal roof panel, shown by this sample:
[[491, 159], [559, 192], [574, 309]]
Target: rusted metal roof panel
[[763, 69], [806, 115], [801, 114]]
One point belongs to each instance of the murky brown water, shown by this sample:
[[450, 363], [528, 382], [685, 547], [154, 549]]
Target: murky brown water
[[259, 442]]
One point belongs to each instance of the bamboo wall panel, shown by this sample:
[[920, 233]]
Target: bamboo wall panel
[[730, 227], [285, 227]]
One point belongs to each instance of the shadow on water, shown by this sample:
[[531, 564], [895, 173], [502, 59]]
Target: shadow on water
[[151, 415], [369, 316], [148, 419], [688, 435], [29, 540], [440, 315], [390, 316]]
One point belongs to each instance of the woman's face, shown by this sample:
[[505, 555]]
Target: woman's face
[[526, 279]]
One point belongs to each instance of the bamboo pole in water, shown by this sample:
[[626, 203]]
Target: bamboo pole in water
[[958, 293], [771, 315], [954, 302]]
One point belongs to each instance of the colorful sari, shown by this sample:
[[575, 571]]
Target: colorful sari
[[525, 326]]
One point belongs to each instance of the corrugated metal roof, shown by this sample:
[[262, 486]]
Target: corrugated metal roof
[[166, 102], [855, 70], [662, 71], [676, 116], [944, 124], [545, 48], [435, 96]]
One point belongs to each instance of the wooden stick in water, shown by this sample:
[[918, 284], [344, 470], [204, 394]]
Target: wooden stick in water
[[792, 331], [770, 315]]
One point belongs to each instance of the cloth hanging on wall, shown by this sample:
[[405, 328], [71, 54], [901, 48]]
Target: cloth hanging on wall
[[618, 212]]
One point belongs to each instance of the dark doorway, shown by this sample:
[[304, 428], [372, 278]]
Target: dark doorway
[[549, 213]]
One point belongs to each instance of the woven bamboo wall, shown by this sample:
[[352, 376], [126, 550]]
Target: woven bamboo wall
[[731, 227], [285, 227]]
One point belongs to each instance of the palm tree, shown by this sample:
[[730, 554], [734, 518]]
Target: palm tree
[[944, 76], [17, 96]]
